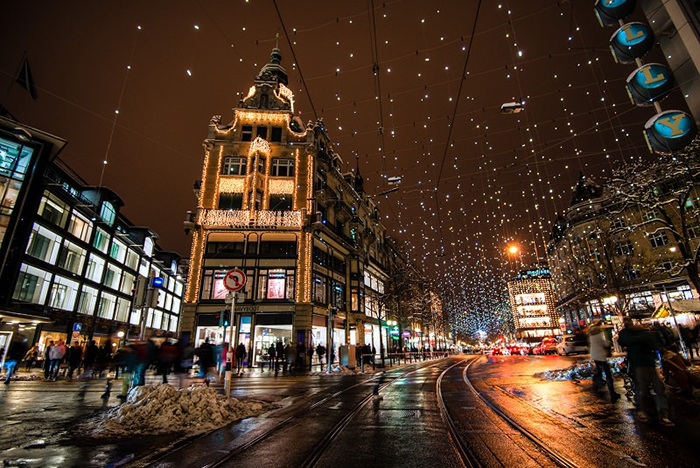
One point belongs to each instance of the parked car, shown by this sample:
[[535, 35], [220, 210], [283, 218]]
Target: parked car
[[571, 344], [547, 346]]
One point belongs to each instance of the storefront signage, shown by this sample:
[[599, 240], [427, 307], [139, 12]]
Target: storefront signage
[[77, 327], [247, 308], [669, 131], [610, 12], [631, 41], [649, 83]]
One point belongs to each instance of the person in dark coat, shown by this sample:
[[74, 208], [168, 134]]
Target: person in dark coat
[[91, 352], [205, 354], [75, 356], [311, 356], [279, 354], [272, 354], [641, 347], [240, 356], [320, 351], [15, 353], [47, 359]]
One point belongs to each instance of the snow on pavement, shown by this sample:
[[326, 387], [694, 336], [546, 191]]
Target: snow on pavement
[[579, 371], [160, 409]]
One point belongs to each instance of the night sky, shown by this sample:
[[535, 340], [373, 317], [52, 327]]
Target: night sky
[[502, 178]]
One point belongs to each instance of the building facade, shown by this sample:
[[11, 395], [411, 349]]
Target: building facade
[[274, 203], [611, 258], [533, 302], [71, 259]]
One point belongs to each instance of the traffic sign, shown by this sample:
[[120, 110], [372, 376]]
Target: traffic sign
[[234, 280]]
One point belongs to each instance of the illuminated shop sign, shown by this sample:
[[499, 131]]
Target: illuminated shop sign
[[669, 131], [610, 12], [631, 41], [649, 83]]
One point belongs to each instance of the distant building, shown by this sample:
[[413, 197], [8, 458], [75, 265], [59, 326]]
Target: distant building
[[70, 259], [533, 301], [274, 202]]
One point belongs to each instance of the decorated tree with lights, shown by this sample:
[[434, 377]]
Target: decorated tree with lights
[[667, 191]]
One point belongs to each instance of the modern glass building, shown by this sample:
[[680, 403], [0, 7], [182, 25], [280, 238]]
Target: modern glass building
[[72, 259]]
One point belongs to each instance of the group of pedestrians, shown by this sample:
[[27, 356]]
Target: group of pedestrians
[[645, 347]]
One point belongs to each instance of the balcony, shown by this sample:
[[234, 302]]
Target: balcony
[[245, 219]]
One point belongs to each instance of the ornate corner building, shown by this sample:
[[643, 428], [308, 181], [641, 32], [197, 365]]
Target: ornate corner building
[[272, 201]]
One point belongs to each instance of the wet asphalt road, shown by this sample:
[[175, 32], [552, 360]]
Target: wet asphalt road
[[330, 421]]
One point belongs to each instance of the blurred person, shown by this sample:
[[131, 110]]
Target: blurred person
[[320, 352], [47, 360], [103, 358], [675, 371], [56, 355], [15, 353], [600, 352], [30, 358], [271, 353], [290, 355], [205, 354], [166, 356], [311, 356], [74, 358], [240, 356], [91, 351], [641, 345], [279, 354]]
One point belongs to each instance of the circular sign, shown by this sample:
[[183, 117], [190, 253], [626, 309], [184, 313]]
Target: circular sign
[[234, 280], [631, 41], [650, 83], [670, 131], [610, 12]]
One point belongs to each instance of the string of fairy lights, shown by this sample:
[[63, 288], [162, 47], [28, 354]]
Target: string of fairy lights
[[388, 78]]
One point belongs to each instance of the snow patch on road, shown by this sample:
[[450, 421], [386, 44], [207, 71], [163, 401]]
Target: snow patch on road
[[579, 371], [162, 409]]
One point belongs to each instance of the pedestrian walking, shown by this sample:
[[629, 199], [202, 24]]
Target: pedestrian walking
[[15, 353], [91, 351], [320, 352], [279, 354], [56, 356], [272, 354], [290, 355], [205, 356], [600, 352], [240, 356], [74, 358], [641, 346], [30, 358], [311, 356], [47, 360]]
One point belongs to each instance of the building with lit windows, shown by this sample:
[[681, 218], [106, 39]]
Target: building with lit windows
[[533, 301], [273, 202], [70, 258]]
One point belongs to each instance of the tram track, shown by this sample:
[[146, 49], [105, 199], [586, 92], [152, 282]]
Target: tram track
[[268, 434]]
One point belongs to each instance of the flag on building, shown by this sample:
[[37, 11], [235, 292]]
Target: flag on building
[[25, 80]]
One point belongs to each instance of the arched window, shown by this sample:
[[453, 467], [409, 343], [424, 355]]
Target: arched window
[[108, 213]]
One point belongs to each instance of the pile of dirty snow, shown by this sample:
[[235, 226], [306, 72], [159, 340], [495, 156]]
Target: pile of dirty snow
[[161, 409], [23, 377], [341, 370], [579, 371]]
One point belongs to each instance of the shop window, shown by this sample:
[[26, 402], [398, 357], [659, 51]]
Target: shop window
[[95, 268], [261, 132], [338, 295], [32, 285], [282, 167], [225, 249], [319, 289], [276, 284], [101, 240], [132, 259], [54, 210], [105, 308], [287, 249], [80, 227], [247, 133], [121, 312], [63, 293], [234, 166], [72, 258], [88, 299], [43, 244], [280, 202], [108, 213], [112, 276], [118, 251], [230, 201], [276, 134]]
